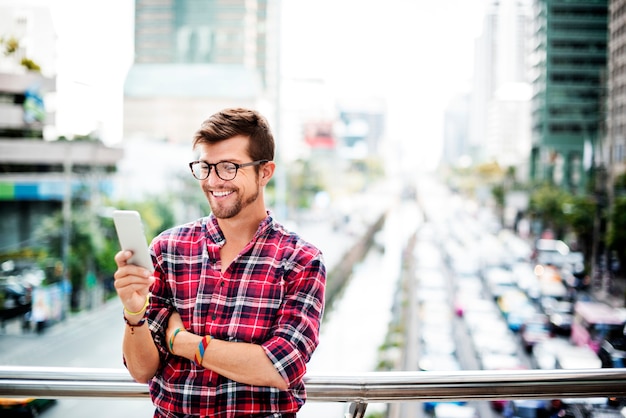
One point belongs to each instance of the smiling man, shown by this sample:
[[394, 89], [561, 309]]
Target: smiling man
[[234, 306]]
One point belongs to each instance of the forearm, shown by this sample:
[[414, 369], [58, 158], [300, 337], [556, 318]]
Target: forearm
[[140, 353], [242, 362]]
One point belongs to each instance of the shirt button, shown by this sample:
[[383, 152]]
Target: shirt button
[[213, 317], [222, 283]]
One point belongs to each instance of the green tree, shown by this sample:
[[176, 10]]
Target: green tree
[[86, 243], [547, 203], [498, 192], [616, 237], [580, 215]]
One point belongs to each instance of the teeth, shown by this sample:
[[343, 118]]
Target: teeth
[[221, 194]]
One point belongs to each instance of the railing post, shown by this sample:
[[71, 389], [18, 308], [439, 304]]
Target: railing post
[[357, 410]]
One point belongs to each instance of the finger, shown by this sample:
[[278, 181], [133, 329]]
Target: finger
[[121, 258], [132, 270]]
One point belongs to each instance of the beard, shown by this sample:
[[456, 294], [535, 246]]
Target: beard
[[230, 210]]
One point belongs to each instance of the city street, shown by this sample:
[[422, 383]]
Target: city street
[[93, 338], [90, 339]]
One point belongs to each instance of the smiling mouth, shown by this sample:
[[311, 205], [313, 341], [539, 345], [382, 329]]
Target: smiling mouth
[[221, 194]]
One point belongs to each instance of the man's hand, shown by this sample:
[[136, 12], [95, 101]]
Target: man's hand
[[132, 283]]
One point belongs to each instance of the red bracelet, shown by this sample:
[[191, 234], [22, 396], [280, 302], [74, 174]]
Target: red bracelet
[[202, 345], [133, 326]]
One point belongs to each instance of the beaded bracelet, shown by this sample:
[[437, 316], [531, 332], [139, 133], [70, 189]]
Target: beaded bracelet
[[171, 342], [142, 310], [202, 345], [133, 326]]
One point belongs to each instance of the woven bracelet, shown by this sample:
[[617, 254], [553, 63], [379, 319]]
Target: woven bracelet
[[171, 342], [202, 345], [133, 326]]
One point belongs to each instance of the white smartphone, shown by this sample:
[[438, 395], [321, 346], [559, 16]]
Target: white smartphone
[[132, 237]]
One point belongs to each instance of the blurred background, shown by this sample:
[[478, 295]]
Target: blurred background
[[460, 122]]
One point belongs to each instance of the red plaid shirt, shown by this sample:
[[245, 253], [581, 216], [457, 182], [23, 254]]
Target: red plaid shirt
[[272, 294]]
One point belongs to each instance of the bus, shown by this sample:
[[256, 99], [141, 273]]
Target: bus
[[595, 322]]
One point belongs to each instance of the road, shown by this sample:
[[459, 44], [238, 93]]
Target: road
[[91, 339]]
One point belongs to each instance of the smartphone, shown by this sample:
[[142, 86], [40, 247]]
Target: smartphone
[[131, 235]]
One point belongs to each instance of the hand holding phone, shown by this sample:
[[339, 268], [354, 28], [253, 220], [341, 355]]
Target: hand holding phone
[[132, 237]]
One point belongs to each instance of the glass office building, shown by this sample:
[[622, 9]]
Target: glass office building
[[569, 82]]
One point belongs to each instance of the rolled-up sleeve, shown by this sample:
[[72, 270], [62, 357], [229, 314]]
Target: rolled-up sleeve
[[160, 306], [296, 333]]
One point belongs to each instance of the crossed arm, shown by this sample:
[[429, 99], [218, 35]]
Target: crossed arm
[[243, 362]]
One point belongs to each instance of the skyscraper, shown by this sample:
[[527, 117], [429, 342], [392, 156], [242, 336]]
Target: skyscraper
[[501, 77], [615, 152], [569, 89], [193, 57]]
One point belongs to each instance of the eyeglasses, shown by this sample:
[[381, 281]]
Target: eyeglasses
[[224, 169]]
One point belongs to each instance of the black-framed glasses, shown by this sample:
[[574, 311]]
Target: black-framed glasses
[[224, 169]]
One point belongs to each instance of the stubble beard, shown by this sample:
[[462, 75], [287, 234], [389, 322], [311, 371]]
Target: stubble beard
[[221, 211]]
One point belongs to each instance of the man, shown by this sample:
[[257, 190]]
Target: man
[[234, 305]]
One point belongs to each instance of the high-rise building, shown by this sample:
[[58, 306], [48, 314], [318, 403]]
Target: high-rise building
[[201, 32], [39, 175], [569, 89], [615, 145], [192, 58], [501, 71]]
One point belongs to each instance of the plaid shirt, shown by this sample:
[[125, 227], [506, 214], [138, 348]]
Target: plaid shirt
[[272, 294]]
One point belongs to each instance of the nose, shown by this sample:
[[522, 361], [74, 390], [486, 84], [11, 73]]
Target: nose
[[213, 178]]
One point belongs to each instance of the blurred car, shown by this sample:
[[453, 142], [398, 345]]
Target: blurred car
[[527, 408], [577, 357], [559, 353], [435, 312], [429, 294], [512, 299], [470, 284], [431, 278], [480, 309], [499, 280], [464, 265], [437, 342], [613, 353], [428, 255], [534, 330], [491, 361], [24, 407], [485, 323], [560, 314], [463, 299], [486, 342], [521, 314], [454, 410], [527, 280], [439, 362], [545, 352], [467, 290], [15, 298]]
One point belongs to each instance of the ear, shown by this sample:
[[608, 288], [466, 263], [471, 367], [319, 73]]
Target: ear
[[266, 172]]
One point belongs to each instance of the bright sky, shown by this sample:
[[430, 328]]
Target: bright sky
[[94, 54], [416, 54]]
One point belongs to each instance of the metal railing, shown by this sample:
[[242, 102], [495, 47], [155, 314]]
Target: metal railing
[[357, 389]]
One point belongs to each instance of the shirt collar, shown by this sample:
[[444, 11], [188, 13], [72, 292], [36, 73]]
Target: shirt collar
[[214, 233]]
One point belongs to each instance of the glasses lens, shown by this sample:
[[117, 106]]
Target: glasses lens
[[226, 170], [200, 170]]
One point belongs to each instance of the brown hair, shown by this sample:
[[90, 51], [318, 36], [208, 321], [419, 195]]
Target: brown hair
[[231, 122]]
